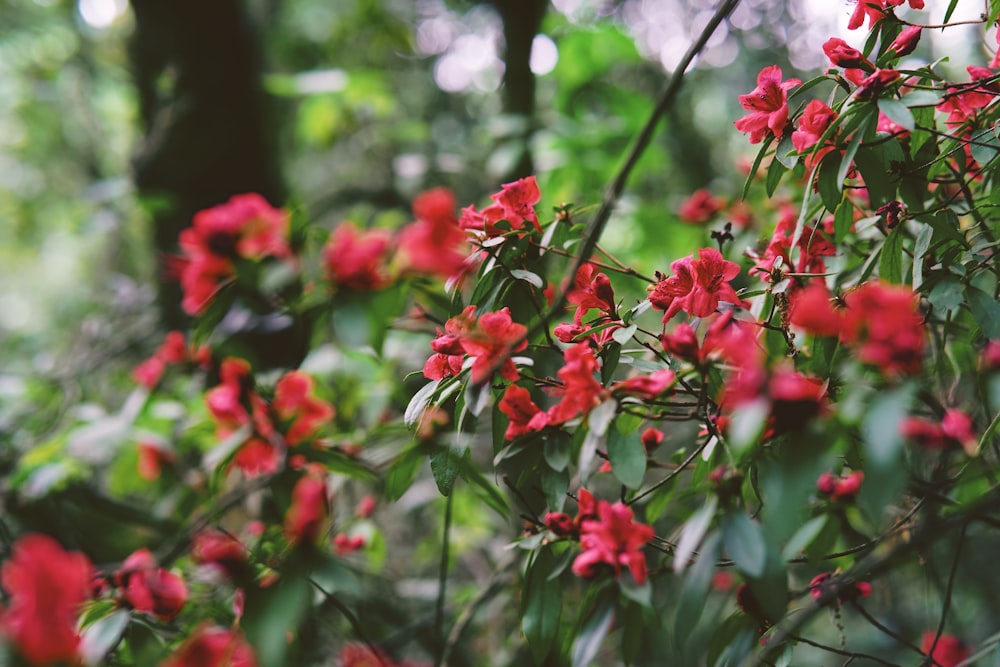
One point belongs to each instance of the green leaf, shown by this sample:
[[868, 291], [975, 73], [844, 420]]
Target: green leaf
[[102, 636], [951, 10], [830, 187], [883, 448], [747, 424], [890, 267], [541, 606], [556, 451], [694, 590], [946, 294], [528, 277], [402, 473], [852, 149], [628, 457], [444, 469], [744, 542], [785, 152], [843, 219], [897, 112], [985, 310], [803, 537], [592, 634], [693, 532], [272, 613], [756, 165], [774, 173]]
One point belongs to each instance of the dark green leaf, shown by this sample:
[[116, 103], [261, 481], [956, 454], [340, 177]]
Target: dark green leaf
[[693, 532], [890, 267], [985, 310], [756, 165], [774, 173], [852, 149], [444, 469], [785, 152], [843, 219], [402, 473], [541, 606], [744, 541], [102, 636], [627, 456], [830, 187], [272, 613], [694, 590]]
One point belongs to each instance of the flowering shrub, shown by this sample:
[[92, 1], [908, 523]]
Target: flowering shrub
[[811, 411]]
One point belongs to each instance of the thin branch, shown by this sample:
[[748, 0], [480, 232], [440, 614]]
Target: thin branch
[[946, 604], [850, 654], [443, 581]]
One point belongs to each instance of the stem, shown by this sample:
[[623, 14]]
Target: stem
[[443, 582]]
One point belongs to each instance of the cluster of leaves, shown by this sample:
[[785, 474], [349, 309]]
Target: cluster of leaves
[[777, 428]]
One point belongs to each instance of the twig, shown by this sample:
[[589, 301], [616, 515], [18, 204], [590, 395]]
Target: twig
[[443, 581], [946, 604]]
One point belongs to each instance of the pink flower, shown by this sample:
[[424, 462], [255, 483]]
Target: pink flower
[[46, 587], [955, 430], [812, 310], [883, 324], [309, 508], [873, 85], [591, 290], [220, 550], [647, 387], [151, 589], [295, 401], [767, 104], [152, 456], [517, 200], [840, 488], [246, 226], [524, 415], [813, 122], [580, 391], [701, 207], [613, 539], [357, 259], [345, 545], [434, 244], [844, 55], [949, 651], [365, 508], [907, 41], [488, 339], [697, 286]]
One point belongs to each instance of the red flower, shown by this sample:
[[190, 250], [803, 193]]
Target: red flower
[[840, 488], [365, 508], [844, 55], [907, 41], [883, 324], [309, 508], [874, 10], [591, 291], [220, 550], [815, 120], [613, 539], [494, 337], [357, 259], [434, 244], [697, 285], [767, 104], [651, 439], [149, 372], [525, 416], [813, 245], [955, 430], [345, 545], [151, 589], [294, 400], [873, 85], [812, 310], [359, 655], [580, 392], [701, 207], [212, 647], [516, 202], [152, 455], [948, 652], [245, 226], [647, 387], [46, 587]]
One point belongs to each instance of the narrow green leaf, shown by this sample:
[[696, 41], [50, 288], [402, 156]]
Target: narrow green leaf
[[529, 277], [843, 219], [774, 173], [273, 613], [694, 590], [803, 537], [951, 10], [591, 636], [852, 150], [100, 637], [692, 533], [541, 606], [756, 165], [744, 542], [890, 267], [830, 187]]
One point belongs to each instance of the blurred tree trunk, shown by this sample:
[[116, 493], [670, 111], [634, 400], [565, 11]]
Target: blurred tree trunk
[[208, 136], [522, 19], [197, 68]]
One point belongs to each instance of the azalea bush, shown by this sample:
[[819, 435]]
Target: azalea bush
[[780, 449]]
